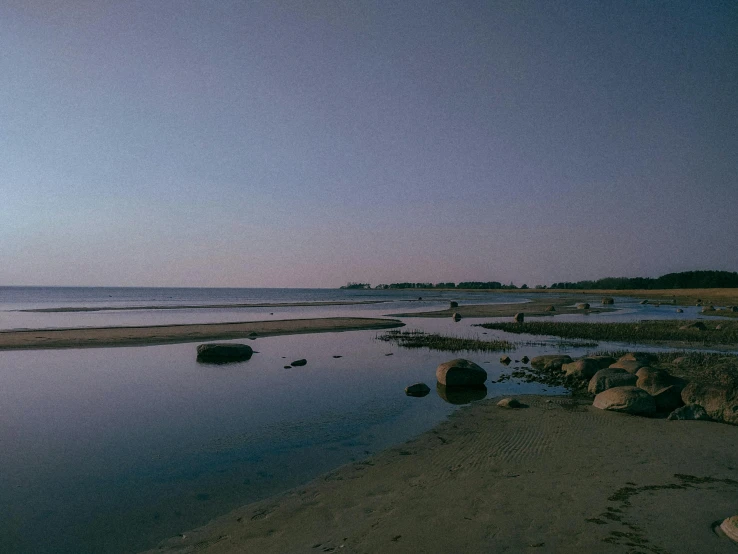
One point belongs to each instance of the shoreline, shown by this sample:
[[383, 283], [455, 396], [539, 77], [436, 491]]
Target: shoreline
[[558, 475], [149, 335]]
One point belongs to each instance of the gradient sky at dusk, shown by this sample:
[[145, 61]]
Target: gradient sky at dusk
[[237, 143]]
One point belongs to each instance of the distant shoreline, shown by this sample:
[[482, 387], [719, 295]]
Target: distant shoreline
[[149, 335]]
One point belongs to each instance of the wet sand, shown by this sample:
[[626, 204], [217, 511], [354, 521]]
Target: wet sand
[[554, 477], [167, 334], [537, 307]]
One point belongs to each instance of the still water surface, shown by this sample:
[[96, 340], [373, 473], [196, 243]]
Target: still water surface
[[111, 450]]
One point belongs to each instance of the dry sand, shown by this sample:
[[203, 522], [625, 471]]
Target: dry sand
[[166, 334], [554, 477]]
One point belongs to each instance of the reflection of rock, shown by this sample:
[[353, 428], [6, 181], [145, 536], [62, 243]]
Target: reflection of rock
[[418, 389], [221, 353], [460, 373], [461, 395]]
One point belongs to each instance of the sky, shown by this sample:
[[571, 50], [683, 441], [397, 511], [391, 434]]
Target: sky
[[312, 143]]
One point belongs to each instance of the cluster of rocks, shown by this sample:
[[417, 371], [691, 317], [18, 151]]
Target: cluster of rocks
[[459, 381], [632, 385]]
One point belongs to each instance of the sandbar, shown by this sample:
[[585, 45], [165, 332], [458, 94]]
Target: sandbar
[[536, 307], [97, 337], [65, 309], [557, 476]]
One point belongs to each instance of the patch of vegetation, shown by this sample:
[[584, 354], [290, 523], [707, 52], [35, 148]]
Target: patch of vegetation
[[434, 341], [682, 280], [633, 332]]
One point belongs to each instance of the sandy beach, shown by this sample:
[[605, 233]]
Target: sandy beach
[[556, 476], [168, 334]]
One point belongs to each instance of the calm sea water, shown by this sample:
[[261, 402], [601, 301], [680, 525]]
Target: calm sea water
[[112, 450]]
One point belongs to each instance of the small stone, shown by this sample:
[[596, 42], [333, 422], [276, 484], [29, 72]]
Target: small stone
[[300, 362], [510, 403], [456, 316], [525, 359], [679, 311], [418, 389], [505, 360], [519, 317]]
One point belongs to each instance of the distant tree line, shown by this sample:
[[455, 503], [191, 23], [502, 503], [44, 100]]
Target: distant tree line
[[683, 280], [463, 285]]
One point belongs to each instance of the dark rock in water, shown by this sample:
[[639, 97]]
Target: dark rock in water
[[460, 373], [338, 356], [583, 306], [456, 317], [389, 354], [608, 300], [689, 412], [550, 362], [525, 359], [643, 302], [418, 389], [461, 395], [610, 377], [550, 309], [733, 309], [629, 400], [288, 367], [511, 403], [300, 362], [454, 304], [519, 317], [505, 360], [221, 353], [679, 311]]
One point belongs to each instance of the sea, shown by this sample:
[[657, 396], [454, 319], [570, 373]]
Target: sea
[[108, 450]]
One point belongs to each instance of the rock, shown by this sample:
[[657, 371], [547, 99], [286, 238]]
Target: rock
[[718, 327], [583, 306], [608, 300], [708, 309], [510, 403], [730, 527], [694, 325], [601, 361], [734, 309], [689, 412], [418, 389], [519, 317], [610, 377], [643, 302], [550, 309], [525, 359], [581, 369], [654, 380], [629, 400], [453, 304], [668, 399], [550, 362], [679, 311], [461, 395], [460, 373], [456, 317], [720, 401], [220, 353], [631, 363], [639, 356], [505, 360], [300, 362]]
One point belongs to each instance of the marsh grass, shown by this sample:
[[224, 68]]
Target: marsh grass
[[634, 332], [434, 341]]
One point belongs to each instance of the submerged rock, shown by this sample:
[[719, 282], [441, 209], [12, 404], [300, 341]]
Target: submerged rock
[[418, 389], [220, 353], [460, 373], [629, 400]]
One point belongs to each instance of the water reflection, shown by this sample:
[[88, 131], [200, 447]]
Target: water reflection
[[461, 395]]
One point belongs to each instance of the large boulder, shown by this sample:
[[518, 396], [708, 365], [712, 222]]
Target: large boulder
[[601, 360], [632, 362], [720, 401], [550, 362], [221, 353], [460, 373], [653, 380], [610, 377], [581, 369], [629, 400]]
